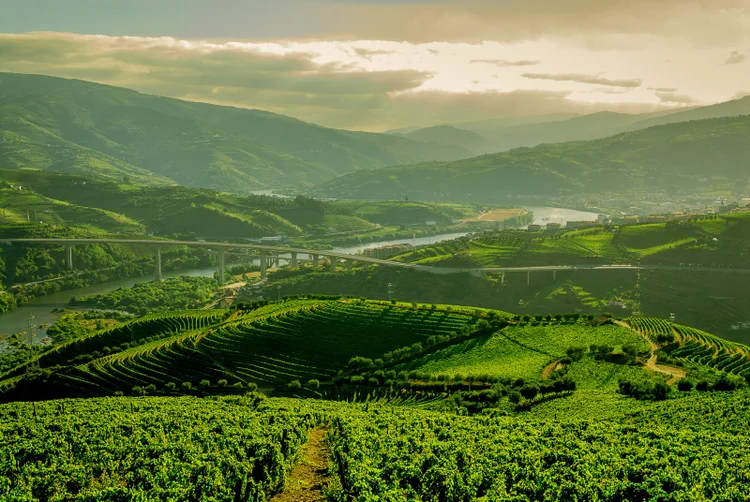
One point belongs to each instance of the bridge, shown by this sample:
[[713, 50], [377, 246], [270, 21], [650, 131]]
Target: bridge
[[270, 254]]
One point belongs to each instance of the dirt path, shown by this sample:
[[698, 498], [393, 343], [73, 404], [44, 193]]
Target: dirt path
[[553, 366], [309, 475], [676, 373]]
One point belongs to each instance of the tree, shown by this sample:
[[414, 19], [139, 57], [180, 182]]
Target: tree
[[186, 386], [205, 383], [170, 386], [313, 383], [138, 391], [222, 383], [294, 385]]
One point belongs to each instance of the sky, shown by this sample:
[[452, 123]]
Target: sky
[[381, 64]]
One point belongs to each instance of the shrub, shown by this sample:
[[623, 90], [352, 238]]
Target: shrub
[[205, 383], [118, 393], [701, 386], [575, 353], [252, 387], [151, 388], [170, 386], [222, 383], [357, 380], [187, 386], [373, 381], [294, 385], [529, 391], [313, 383], [138, 391], [685, 385]]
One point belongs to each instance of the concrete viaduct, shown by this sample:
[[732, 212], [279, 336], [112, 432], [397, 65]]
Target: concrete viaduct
[[270, 254]]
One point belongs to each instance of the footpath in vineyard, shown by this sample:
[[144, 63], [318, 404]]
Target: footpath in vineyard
[[310, 475], [651, 365]]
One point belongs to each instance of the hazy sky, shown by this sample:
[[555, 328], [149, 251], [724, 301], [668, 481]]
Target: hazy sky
[[375, 65]]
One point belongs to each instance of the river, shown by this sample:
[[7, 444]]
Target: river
[[40, 308]]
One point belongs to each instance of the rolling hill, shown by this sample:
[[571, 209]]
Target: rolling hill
[[80, 127], [685, 157]]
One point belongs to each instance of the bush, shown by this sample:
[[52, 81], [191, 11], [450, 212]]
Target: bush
[[205, 383], [186, 386], [237, 385], [313, 383], [529, 391], [727, 383], [138, 391], [575, 353], [294, 385], [644, 389], [118, 393], [151, 389], [170, 386], [685, 385], [357, 380], [222, 383], [701, 386], [373, 381]]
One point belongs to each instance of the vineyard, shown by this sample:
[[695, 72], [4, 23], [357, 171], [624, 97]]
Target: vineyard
[[694, 347], [269, 346], [244, 448]]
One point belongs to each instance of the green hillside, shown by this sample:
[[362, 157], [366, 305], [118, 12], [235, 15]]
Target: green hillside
[[389, 401], [80, 127], [686, 157]]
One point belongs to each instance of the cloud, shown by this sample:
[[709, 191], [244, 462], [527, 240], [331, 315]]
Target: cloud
[[701, 22], [584, 79], [325, 84], [677, 99], [663, 89], [505, 63], [736, 57], [369, 53]]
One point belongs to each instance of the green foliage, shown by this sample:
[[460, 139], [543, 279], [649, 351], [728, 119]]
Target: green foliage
[[178, 293]]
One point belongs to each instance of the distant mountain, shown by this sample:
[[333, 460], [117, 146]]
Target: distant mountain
[[472, 142], [506, 133], [64, 125], [479, 126], [683, 157]]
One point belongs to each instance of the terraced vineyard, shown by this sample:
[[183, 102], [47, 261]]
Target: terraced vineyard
[[697, 347], [270, 346]]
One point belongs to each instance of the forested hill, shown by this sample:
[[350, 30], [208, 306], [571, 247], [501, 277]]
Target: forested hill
[[81, 127], [694, 156]]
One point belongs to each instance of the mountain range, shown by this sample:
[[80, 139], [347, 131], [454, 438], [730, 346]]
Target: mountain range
[[684, 157], [64, 125], [502, 134]]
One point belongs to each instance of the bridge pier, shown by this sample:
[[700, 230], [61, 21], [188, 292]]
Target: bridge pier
[[69, 251], [294, 263], [349, 265], [158, 263], [333, 263], [221, 266], [262, 265], [315, 259]]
